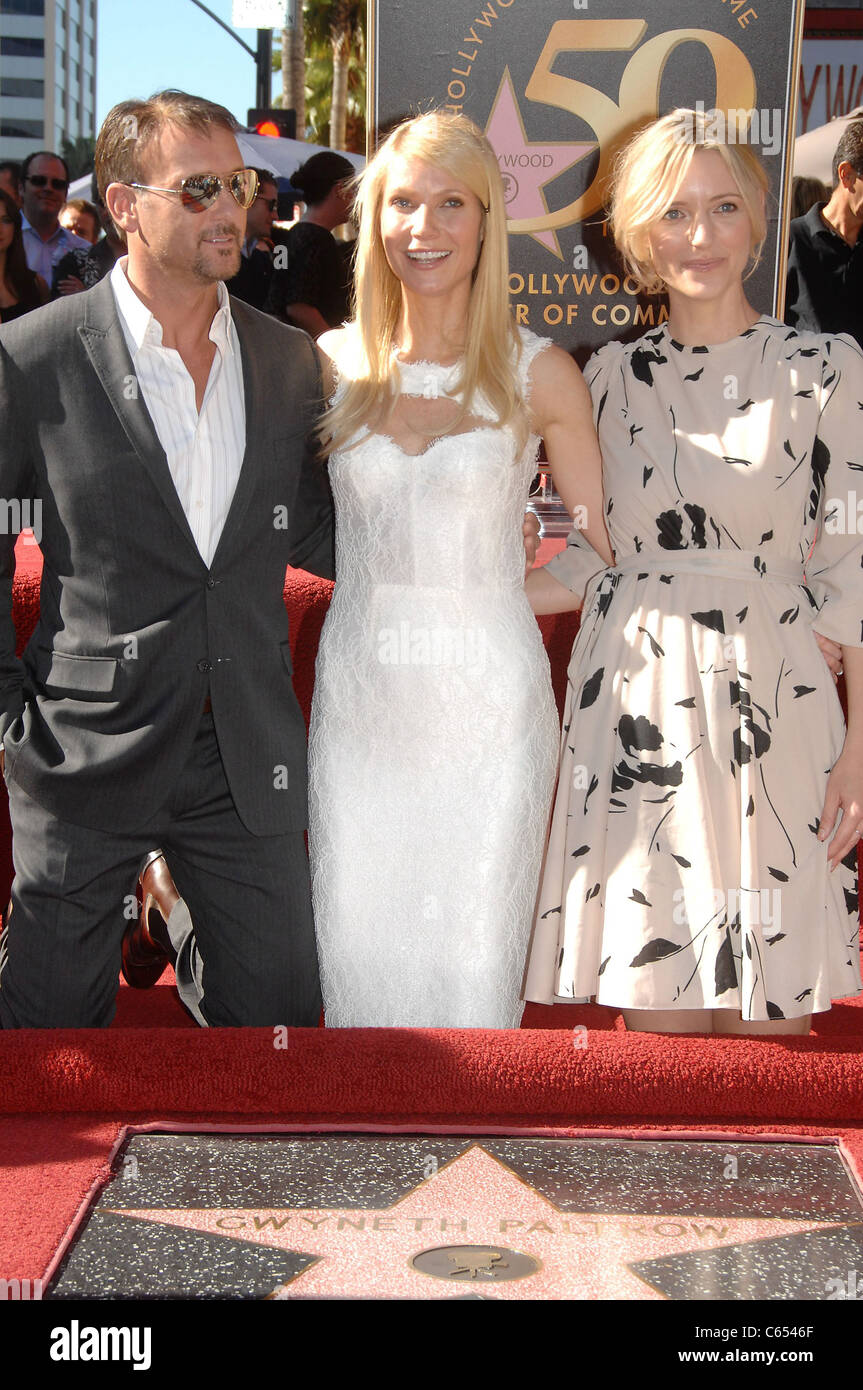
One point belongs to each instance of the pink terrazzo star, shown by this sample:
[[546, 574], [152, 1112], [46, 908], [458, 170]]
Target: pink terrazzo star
[[473, 1201], [527, 167]]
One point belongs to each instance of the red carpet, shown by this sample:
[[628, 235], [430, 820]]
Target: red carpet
[[66, 1095], [536, 1074]]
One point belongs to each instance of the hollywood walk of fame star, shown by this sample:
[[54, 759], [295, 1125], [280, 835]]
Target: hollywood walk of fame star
[[475, 1200], [526, 167]]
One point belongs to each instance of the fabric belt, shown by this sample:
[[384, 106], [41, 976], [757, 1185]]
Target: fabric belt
[[746, 565]]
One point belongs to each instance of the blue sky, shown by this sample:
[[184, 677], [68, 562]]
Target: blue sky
[[145, 45]]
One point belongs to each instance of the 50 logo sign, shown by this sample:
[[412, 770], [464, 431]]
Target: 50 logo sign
[[638, 96], [558, 92]]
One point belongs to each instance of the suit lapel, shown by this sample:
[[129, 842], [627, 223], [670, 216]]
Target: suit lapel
[[102, 336]]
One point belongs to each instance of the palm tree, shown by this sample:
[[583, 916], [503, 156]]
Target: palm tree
[[293, 64], [79, 154], [344, 26], [341, 25], [331, 54]]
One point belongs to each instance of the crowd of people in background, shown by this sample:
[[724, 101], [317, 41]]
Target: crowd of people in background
[[52, 245], [312, 290]]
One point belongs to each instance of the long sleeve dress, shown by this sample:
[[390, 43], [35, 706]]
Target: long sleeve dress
[[701, 721]]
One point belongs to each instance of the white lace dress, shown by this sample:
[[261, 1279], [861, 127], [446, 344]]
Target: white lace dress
[[433, 740]]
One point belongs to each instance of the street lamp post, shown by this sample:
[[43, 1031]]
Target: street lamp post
[[264, 58]]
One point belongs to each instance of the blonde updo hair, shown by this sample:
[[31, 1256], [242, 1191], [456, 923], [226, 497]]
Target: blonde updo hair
[[455, 144], [648, 172]]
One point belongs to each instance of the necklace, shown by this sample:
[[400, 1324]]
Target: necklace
[[426, 381]]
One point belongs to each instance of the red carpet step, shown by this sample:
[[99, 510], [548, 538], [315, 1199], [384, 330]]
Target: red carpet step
[[440, 1074]]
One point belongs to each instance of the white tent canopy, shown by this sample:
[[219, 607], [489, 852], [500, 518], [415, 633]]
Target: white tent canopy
[[283, 157], [814, 151]]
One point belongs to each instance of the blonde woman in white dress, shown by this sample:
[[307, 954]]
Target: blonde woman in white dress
[[434, 734]]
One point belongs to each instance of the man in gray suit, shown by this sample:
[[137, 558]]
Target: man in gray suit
[[162, 430]]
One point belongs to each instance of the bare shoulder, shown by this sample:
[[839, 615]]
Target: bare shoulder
[[331, 342], [557, 386], [331, 346], [552, 366]]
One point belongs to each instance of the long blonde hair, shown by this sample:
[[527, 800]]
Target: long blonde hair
[[649, 170], [453, 143]]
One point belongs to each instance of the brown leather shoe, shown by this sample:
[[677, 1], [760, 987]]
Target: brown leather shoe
[[146, 948]]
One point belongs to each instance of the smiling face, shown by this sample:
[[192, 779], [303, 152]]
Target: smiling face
[[42, 204], [197, 246], [702, 243], [431, 227]]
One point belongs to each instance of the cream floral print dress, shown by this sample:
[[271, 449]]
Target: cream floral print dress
[[701, 720]]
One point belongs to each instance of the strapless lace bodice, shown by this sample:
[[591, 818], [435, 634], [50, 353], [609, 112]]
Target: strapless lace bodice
[[449, 516]]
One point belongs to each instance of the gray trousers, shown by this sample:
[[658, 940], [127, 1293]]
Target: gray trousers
[[252, 960]]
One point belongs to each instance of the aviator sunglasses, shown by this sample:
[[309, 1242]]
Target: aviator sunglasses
[[200, 191]]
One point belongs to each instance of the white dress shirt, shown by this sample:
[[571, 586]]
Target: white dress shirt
[[204, 450], [43, 256]]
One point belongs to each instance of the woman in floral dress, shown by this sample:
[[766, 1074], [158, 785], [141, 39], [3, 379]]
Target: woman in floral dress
[[701, 871]]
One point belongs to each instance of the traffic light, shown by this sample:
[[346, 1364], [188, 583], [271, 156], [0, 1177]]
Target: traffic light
[[273, 121]]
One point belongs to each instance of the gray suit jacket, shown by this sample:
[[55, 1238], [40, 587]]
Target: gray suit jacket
[[135, 630]]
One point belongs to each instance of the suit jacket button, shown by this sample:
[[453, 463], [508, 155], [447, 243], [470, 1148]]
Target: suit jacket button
[[205, 665], [211, 583]]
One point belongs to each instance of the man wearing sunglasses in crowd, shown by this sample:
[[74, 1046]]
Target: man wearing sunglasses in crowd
[[165, 430], [252, 281], [44, 185]]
